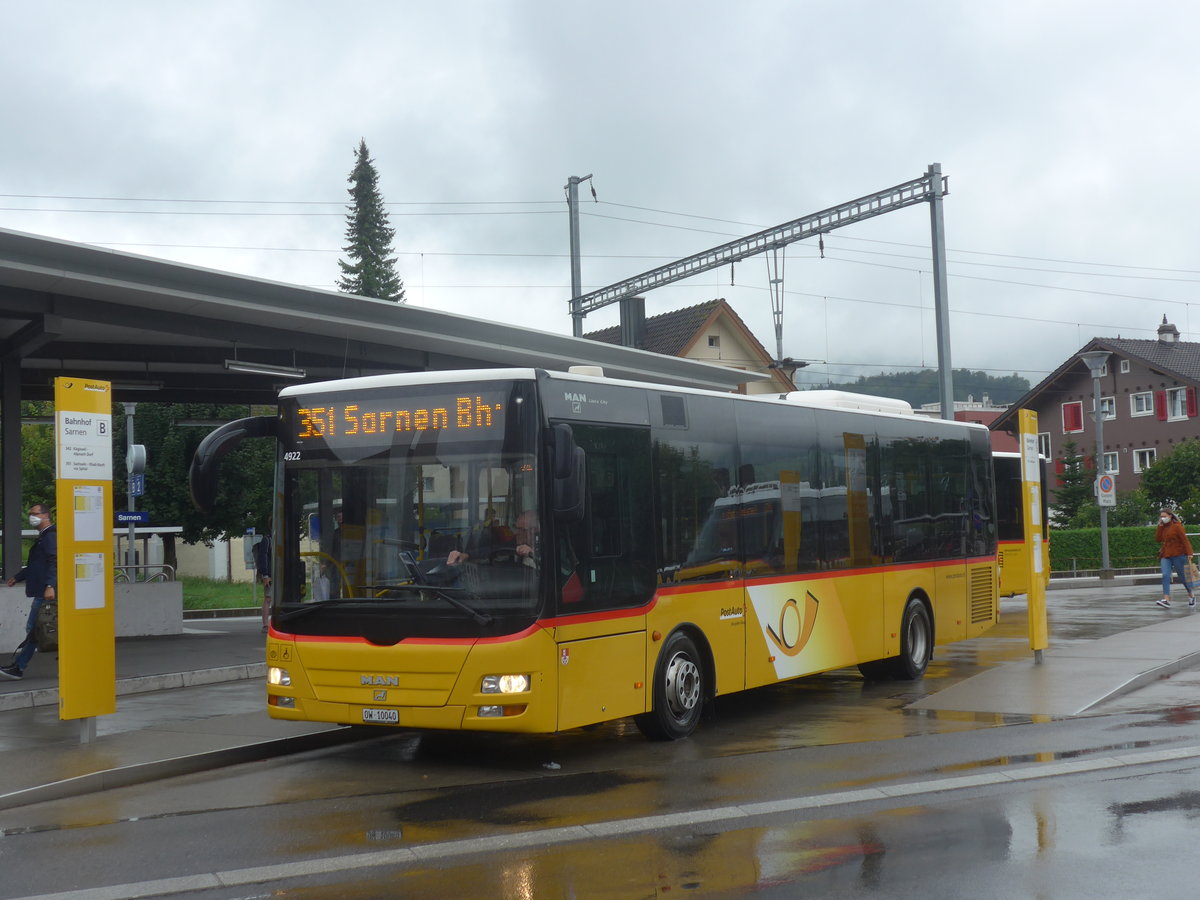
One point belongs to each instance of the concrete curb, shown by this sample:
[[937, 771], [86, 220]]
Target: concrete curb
[[141, 773], [1149, 677], [1091, 581], [141, 684], [232, 612]]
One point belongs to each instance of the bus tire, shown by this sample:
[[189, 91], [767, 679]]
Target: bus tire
[[678, 691], [916, 642]]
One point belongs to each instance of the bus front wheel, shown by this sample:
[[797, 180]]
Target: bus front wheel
[[916, 642], [678, 692]]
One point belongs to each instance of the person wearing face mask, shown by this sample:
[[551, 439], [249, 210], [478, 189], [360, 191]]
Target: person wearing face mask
[[40, 575], [1176, 550]]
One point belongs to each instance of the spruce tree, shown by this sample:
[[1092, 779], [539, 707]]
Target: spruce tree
[[1075, 484], [371, 271]]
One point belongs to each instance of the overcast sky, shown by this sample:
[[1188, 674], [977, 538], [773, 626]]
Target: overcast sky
[[221, 134]]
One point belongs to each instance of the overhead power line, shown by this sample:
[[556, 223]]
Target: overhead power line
[[966, 262], [448, 253], [280, 202], [201, 212], [555, 203], [1069, 262]]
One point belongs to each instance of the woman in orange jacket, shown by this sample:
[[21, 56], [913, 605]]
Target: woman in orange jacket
[[1175, 552]]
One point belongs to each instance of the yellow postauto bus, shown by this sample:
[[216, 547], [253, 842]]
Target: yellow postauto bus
[[532, 551]]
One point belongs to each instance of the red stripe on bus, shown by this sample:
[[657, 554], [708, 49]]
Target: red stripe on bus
[[822, 575], [668, 590], [358, 639]]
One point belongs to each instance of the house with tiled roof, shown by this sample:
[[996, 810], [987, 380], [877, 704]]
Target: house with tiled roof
[[709, 331], [1147, 402]]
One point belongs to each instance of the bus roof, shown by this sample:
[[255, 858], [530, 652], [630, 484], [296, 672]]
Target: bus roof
[[400, 379], [844, 401], [850, 400]]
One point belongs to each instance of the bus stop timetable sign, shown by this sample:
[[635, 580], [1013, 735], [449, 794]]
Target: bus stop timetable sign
[[84, 438], [83, 496]]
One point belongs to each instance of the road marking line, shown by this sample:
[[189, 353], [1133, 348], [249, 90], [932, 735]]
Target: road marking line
[[617, 828]]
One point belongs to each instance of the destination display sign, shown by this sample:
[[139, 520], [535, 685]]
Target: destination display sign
[[375, 418]]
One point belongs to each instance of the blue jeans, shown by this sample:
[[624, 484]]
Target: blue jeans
[[1177, 563], [29, 645]]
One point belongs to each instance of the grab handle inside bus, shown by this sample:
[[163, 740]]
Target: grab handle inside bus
[[569, 471], [202, 476]]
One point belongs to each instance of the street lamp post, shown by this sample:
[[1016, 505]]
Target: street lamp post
[[1096, 360]]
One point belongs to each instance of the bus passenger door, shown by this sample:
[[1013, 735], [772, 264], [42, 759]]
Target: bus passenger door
[[606, 580]]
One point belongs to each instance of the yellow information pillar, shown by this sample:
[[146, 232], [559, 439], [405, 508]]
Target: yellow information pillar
[[87, 655], [1031, 507]]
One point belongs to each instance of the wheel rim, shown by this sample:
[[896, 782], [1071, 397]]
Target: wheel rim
[[918, 640], [682, 686]]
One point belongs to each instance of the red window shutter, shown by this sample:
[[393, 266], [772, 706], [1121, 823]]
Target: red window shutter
[[1059, 467], [1191, 402], [1072, 415], [1160, 405]]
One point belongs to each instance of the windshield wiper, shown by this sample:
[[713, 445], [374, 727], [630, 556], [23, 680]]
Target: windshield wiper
[[446, 593], [312, 607]]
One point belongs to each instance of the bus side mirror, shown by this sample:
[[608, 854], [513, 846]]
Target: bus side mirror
[[569, 475], [202, 476]]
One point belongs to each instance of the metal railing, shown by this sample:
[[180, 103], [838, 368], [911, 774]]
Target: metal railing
[[143, 574]]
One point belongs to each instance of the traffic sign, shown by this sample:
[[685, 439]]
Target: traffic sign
[[1106, 490], [139, 515]]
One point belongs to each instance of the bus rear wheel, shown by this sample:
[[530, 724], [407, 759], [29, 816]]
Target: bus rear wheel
[[916, 646], [916, 642], [678, 692]]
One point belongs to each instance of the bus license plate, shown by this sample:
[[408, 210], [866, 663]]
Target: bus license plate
[[381, 716]]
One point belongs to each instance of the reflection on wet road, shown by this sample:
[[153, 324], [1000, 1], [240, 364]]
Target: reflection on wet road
[[1128, 837]]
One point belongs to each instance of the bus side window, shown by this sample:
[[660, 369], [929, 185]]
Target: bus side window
[[697, 513]]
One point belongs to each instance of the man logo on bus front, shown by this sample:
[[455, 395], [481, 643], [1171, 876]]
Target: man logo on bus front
[[795, 629]]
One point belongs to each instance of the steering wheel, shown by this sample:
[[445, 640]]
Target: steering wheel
[[442, 575], [505, 556]]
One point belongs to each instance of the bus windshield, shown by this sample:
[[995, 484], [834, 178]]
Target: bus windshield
[[409, 512]]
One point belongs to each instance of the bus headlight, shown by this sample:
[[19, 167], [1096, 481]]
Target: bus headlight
[[279, 677], [505, 684]]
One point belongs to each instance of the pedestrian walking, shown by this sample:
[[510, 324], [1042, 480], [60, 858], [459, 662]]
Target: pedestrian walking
[[262, 569], [1174, 554], [40, 575]]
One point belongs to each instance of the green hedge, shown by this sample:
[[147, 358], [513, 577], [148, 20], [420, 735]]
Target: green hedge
[[1079, 548]]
